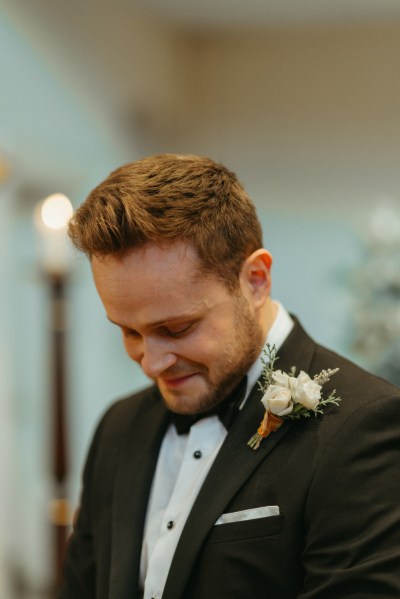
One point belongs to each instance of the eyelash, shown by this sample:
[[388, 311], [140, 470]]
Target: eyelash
[[180, 333], [166, 331], [129, 333]]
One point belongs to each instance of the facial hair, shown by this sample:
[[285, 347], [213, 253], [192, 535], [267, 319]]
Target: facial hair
[[245, 349], [241, 348]]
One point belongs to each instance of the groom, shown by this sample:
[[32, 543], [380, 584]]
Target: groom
[[175, 503]]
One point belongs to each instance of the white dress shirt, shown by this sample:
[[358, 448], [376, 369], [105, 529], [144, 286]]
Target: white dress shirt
[[183, 464]]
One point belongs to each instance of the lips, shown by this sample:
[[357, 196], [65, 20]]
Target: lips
[[177, 381]]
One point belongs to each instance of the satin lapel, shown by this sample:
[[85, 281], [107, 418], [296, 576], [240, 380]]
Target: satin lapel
[[234, 464], [138, 459]]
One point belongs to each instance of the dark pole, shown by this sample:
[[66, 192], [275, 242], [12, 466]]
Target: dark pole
[[59, 508]]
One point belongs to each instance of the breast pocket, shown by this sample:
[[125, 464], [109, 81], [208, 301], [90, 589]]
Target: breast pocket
[[247, 529]]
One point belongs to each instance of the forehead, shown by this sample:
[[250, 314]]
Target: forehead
[[177, 261], [152, 278]]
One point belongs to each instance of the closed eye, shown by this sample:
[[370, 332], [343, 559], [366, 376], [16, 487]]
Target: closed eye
[[177, 331]]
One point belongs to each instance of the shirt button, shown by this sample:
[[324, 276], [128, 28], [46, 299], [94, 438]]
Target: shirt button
[[170, 525], [197, 454]]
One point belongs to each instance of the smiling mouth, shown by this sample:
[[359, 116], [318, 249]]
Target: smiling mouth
[[177, 381]]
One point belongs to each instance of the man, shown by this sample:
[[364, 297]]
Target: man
[[193, 512]]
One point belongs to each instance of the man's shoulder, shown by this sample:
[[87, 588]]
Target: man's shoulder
[[125, 419], [133, 405], [350, 374], [351, 379], [364, 397], [362, 394], [128, 411]]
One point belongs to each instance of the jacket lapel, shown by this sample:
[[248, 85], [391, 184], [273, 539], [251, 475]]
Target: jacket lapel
[[138, 459], [234, 464]]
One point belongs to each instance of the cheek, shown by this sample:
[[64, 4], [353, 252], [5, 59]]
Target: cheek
[[209, 346]]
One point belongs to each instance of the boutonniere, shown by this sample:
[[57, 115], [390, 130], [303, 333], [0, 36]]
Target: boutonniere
[[287, 396]]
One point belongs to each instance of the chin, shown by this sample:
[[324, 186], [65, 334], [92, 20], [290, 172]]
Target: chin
[[185, 404]]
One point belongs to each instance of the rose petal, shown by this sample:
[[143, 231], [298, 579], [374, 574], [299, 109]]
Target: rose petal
[[278, 400]]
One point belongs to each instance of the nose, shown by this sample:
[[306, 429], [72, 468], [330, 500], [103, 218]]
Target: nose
[[156, 357]]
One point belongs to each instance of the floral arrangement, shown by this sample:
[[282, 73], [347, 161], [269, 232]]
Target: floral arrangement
[[287, 396]]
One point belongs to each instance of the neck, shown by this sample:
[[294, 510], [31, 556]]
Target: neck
[[267, 316]]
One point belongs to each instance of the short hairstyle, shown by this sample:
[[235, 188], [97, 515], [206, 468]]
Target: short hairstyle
[[167, 198]]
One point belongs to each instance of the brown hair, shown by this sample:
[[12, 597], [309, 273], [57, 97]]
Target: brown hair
[[166, 198]]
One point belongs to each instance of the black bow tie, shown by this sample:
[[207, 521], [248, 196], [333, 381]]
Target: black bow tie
[[226, 411]]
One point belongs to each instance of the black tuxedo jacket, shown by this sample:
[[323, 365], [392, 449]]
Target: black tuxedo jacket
[[335, 478]]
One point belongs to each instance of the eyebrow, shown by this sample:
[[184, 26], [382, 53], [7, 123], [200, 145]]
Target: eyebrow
[[158, 323]]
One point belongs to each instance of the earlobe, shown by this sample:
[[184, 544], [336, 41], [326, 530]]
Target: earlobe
[[256, 272]]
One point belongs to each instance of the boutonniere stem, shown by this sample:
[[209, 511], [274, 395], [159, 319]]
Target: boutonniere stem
[[269, 424]]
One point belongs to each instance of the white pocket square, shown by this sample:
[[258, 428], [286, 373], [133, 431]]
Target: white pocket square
[[252, 514]]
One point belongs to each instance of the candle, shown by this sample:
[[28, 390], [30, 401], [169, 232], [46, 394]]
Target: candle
[[51, 218]]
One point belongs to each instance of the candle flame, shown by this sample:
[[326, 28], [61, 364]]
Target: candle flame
[[55, 211]]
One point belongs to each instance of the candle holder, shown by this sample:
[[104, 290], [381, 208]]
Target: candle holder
[[51, 219]]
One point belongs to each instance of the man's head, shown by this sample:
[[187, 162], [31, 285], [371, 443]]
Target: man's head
[[175, 248], [167, 198]]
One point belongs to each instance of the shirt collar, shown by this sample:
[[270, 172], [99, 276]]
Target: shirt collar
[[277, 334]]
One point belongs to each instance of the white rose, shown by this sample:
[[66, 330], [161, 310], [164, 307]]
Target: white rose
[[305, 391], [281, 378], [278, 400]]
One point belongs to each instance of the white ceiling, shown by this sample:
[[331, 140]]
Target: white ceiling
[[217, 13]]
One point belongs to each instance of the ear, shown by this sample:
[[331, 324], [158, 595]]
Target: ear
[[255, 276]]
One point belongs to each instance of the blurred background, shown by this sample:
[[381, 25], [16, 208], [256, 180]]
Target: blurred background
[[300, 98]]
